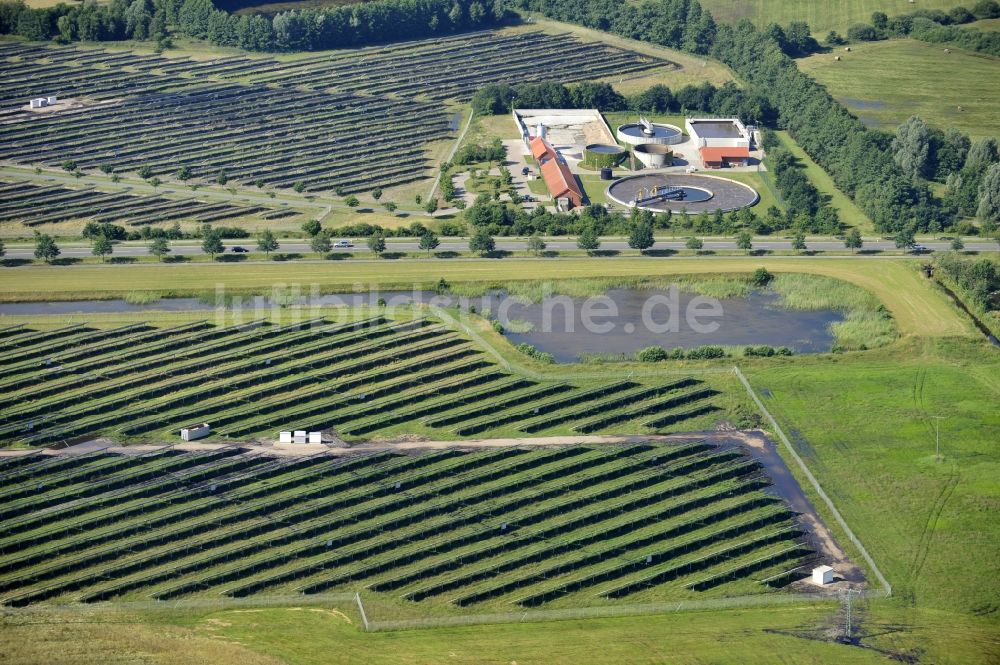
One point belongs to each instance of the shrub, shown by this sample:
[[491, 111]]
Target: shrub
[[862, 32], [532, 352], [706, 353], [762, 351], [497, 328], [761, 277], [651, 354]]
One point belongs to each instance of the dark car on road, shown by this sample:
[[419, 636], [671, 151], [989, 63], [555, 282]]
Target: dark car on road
[[239, 250]]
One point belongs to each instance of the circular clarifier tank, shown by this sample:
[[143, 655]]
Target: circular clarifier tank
[[689, 193], [654, 155], [637, 133], [600, 155]]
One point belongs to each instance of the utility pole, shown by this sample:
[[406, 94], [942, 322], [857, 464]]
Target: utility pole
[[937, 437], [845, 595]]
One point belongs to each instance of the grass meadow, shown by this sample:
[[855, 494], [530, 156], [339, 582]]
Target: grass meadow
[[884, 83], [821, 16], [849, 212]]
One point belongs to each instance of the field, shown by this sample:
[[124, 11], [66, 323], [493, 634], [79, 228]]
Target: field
[[329, 635], [534, 527], [344, 121], [34, 204], [359, 377], [884, 83], [821, 16], [683, 69]]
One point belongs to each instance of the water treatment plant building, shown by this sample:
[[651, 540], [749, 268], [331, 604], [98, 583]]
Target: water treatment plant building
[[721, 142]]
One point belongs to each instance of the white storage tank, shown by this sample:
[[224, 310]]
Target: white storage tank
[[192, 432]]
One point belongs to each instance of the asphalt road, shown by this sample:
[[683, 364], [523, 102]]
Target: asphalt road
[[299, 247]]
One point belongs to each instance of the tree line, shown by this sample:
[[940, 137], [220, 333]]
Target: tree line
[[935, 26], [296, 30], [728, 100]]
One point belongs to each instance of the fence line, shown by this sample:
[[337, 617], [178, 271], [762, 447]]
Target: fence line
[[887, 588], [361, 610], [222, 603], [611, 611]]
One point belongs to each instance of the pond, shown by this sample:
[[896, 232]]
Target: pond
[[670, 318], [622, 321]]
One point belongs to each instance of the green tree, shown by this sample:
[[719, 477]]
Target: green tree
[[432, 206], [183, 173], [102, 247], [352, 201], [377, 193], [535, 244], [989, 195], [320, 244], [390, 207], [45, 247], [299, 187], [145, 172], [429, 241], [211, 242], [853, 241], [905, 239], [3, 249], [957, 244], [159, 247], [911, 147], [799, 241], [267, 243], [222, 178], [744, 241], [694, 242], [69, 165], [312, 227], [640, 237], [376, 243], [107, 169], [155, 182], [481, 242], [588, 239]]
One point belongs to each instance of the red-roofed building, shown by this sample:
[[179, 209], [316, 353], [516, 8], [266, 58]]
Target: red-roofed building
[[559, 180], [540, 148], [717, 158]]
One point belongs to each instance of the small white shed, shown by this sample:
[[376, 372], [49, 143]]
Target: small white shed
[[284, 437], [299, 436], [38, 102], [822, 575], [315, 437], [51, 99], [192, 432]]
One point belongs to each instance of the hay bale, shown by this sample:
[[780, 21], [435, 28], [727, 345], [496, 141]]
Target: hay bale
[[947, 50], [837, 58], [847, 48]]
